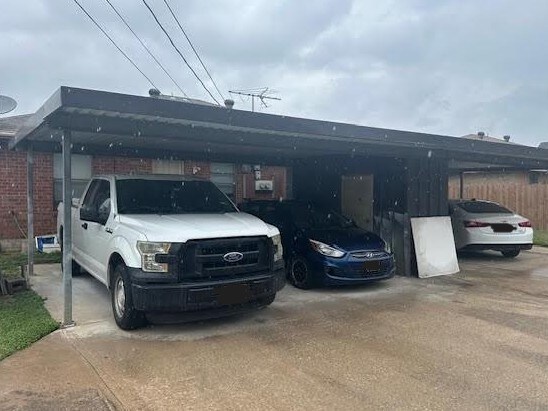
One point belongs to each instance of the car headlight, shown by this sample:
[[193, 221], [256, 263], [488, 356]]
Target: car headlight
[[278, 249], [148, 252], [387, 247], [326, 249]]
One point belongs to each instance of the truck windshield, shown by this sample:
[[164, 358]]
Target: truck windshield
[[142, 196]]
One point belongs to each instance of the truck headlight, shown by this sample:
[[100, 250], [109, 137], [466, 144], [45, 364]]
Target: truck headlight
[[326, 249], [278, 249], [148, 253]]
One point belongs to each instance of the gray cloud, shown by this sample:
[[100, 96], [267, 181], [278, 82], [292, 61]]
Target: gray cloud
[[450, 67]]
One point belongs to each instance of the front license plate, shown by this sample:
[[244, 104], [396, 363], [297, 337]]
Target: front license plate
[[372, 266], [233, 294]]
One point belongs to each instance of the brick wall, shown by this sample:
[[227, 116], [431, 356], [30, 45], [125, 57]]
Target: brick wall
[[120, 165], [13, 185], [13, 193], [277, 174], [198, 168]]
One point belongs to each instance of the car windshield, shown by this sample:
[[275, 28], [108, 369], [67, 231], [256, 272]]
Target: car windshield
[[308, 216], [142, 196], [483, 207]]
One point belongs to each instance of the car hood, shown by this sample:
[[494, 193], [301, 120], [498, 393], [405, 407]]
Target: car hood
[[184, 227], [347, 239]]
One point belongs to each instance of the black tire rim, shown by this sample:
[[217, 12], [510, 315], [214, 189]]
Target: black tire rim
[[299, 272]]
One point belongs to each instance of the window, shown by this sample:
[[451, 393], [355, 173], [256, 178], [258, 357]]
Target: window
[[81, 174], [222, 174], [97, 204], [175, 167], [483, 207], [533, 177]]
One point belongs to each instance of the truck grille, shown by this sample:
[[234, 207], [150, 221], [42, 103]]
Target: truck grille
[[204, 259]]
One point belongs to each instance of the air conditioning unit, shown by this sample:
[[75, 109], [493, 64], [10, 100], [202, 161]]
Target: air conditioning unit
[[264, 185]]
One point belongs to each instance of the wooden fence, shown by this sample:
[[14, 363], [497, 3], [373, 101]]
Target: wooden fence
[[528, 200]]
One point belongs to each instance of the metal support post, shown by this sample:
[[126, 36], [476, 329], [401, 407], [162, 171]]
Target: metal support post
[[30, 213], [67, 229], [461, 185]]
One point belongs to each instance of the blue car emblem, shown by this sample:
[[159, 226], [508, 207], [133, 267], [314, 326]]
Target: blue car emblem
[[368, 255], [233, 257]]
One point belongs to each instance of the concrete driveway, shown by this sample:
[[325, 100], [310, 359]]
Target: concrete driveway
[[476, 340]]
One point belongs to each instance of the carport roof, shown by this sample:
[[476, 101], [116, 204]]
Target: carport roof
[[120, 124]]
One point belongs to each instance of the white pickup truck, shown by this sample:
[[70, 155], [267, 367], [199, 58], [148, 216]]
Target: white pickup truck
[[171, 244]]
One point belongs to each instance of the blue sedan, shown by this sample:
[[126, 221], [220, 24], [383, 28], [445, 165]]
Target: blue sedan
[[322, 247]]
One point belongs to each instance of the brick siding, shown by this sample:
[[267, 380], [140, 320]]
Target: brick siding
[[120, 165], [13, 193], [13, 185]]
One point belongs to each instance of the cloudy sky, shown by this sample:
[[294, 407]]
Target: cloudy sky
[[439, 66]]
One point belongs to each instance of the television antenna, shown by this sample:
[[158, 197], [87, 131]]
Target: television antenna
[[262, 94], [7, 104]]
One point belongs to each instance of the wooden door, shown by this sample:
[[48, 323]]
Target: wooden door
[[357, 199]]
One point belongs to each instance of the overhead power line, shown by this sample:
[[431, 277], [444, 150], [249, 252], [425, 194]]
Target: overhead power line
[[179, 51], [114, 43], [194, 49], [146, 48]]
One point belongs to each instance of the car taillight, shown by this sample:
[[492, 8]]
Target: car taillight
[[525, 224], [475, 224]]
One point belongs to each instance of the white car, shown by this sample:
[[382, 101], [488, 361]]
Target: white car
[[485, 225]]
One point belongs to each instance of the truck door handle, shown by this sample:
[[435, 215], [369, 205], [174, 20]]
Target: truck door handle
[[85, 226], [108, 230]]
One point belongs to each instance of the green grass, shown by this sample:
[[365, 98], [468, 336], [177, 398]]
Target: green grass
[[23, 320], [540, 238], [10, 263]]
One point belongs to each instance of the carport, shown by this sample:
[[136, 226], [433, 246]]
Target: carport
[[409, 171]]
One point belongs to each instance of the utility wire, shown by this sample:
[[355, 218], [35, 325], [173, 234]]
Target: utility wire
[[193, 49], [115, 45], [145, 47], [178, 51]]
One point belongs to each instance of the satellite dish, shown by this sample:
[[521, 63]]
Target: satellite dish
[[7, 104]]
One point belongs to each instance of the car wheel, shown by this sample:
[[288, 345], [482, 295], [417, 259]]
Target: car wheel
[[299, 273], [510, 253], [125, 315]]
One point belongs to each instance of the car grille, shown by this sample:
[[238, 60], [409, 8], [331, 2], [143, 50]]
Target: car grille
[[203, 259], [358, 270], [366, 254]]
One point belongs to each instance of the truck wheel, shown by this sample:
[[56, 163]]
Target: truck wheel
[[299, 273], [511, 253], [125, 315]]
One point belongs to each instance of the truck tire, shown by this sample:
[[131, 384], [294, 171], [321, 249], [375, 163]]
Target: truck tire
[[299, 273], [125, 315]]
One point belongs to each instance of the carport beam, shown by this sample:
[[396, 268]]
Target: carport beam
[[30, 213], [67, 229]]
